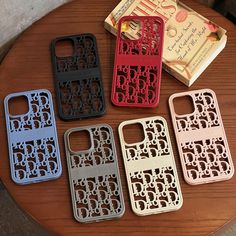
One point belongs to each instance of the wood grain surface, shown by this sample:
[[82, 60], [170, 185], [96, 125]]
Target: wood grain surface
[[28, 66]]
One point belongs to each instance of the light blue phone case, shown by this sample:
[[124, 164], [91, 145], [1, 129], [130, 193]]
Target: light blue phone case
[[32, 139]]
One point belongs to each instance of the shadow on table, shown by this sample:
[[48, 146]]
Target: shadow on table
[[13, 221]]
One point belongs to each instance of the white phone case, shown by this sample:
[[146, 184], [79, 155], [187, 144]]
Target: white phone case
[[150, 169]]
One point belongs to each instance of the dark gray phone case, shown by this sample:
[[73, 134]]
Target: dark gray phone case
[[94, 177]]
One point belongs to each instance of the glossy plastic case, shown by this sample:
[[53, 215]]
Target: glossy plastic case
[[150, 169], [78, 80], [32, 139], [94, 177], [138, 62], [201, 139]]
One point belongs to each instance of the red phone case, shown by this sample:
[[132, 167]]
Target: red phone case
[[138, 62]]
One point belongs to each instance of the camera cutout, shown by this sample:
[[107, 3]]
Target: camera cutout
[[64, 48], [18, 105], [131, 29], [183, 105], [79, 141], [133, 133]]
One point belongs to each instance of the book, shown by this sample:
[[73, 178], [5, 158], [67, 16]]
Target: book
[[191, 42]]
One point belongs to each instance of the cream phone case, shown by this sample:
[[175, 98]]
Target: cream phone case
[[201, 139], [150, 169]]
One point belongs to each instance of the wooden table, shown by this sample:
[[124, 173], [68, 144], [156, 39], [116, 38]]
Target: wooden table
[[28, 66]]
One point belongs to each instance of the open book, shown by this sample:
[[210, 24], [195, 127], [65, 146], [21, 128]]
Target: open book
[[191, 42]]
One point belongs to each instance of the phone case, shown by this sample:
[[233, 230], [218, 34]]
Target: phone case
[[201, 139], [94, 177], [32, 139], [138, 63], [78, 79], [150, 169]]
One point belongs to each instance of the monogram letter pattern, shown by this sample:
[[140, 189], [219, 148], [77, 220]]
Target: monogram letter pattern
[[136, 84], [150, 169], [81, 98], [78, 79], [207, 158], [98, 196], [33, 145], [202, 143], [204, 117], [95, 182], [85, 55], [155, 188], [137, 70], [35, 159]]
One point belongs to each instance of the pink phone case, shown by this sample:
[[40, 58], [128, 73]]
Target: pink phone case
[[201, 139]]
